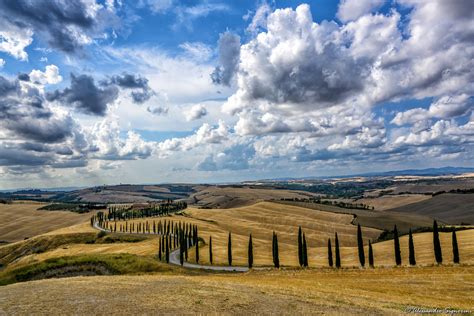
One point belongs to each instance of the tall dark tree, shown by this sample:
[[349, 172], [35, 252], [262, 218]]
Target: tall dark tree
[[181, 248], [300, 246], [371, 255], [396, 245], [276, 256], [330, 263], [305, 252], [160, 251], [210, 249], [455, 247], [196, 242], [167, 251], [338, 255], [250, 252], [360, 246], [411, 249], [437, 244], [229, 249], [186, 245]]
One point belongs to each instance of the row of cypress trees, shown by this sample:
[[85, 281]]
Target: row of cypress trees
[[186, 235], [153, 227], [303, 252], [117, 213], [411, 247]]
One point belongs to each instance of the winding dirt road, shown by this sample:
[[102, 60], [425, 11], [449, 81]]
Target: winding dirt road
[[174, 256]]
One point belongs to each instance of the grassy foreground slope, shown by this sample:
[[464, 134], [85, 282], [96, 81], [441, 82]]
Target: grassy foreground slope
[[379, 291]]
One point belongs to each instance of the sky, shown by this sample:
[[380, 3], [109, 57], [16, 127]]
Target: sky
[[99, 92]]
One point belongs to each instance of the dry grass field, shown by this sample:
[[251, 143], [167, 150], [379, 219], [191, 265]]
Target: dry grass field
[[386, 202], [432, 186], [355, 291], [382, 220], [450, 208], [22, 219], [260, 220], [229, 197], [264, 290]]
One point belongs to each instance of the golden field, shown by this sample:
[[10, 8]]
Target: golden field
[[22, 220], [264, 290], [386, 202], [261, 220], [230, 197], [354, 291]]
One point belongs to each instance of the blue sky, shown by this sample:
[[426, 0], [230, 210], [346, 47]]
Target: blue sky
[[96, 92]]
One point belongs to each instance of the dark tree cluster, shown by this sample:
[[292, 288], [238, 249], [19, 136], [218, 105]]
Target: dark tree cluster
[[302, 248], [117, 213]]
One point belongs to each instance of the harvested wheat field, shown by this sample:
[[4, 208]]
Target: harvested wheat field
[[386, 202], [22, 220], [449, 207], [258, 292], [261, 220], [228, 197]]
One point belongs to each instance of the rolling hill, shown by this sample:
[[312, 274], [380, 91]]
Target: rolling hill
[[449, 208]]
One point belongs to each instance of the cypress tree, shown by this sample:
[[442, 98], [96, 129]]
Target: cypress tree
[[437, 244], [250, 252], [210, 249], [330, 263], [411, 249], [167, 253], [371, 255], [181, 249], [338, 255], [360, 246], [396, 244], [276, 258], [305, 252], [160, 250], [300, 246], [196, 242], [229, 249], [455, 247], [186, 245], [273, 248]]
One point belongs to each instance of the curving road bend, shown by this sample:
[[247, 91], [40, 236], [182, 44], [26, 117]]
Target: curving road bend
[[174, 257]]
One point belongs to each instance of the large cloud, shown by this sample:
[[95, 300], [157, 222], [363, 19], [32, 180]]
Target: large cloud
[[322, 81], [296, 63], [91, 98], [85, 95], [205, 135], [141, 91], [445, 107], [36, 134], [49, 76], [196, 112], [64, 25], [352, 9], [229, 53]]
